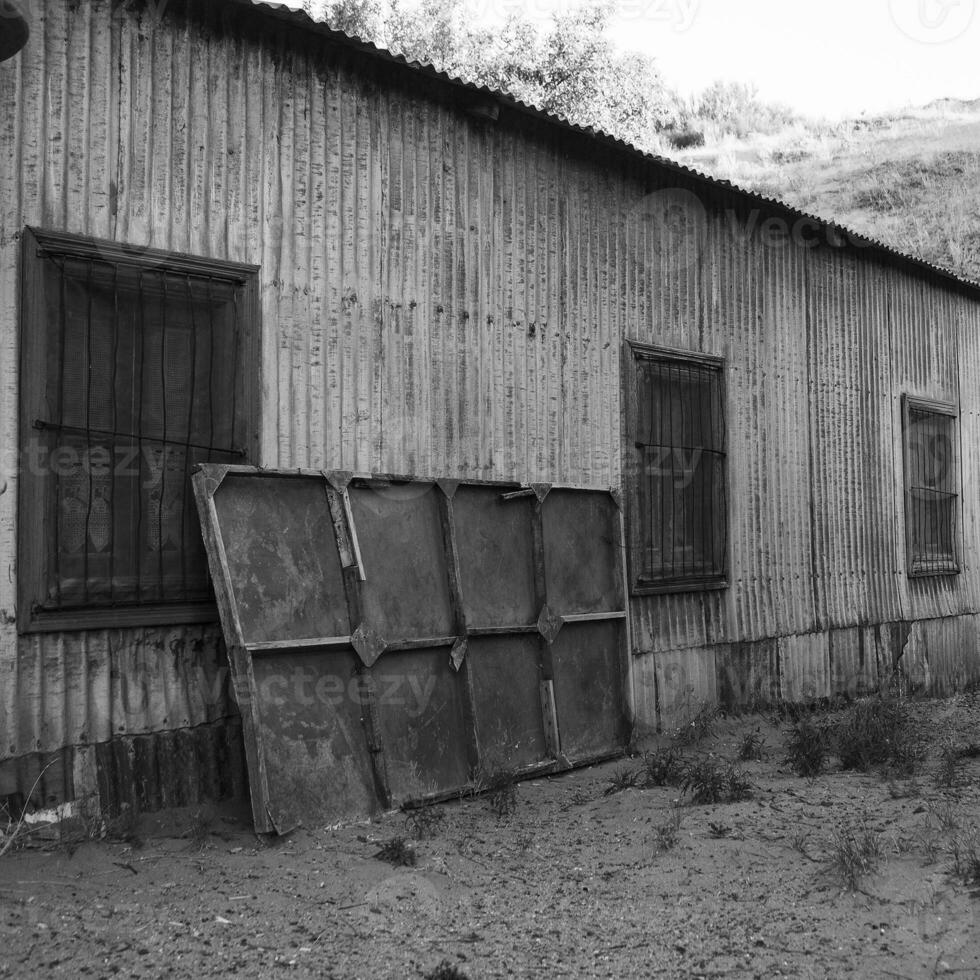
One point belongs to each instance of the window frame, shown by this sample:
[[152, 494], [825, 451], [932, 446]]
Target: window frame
[[950, 410], [634, 353], [34, 523]]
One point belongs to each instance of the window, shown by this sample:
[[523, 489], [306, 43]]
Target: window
[[931, 486], [675, 468], [134, 368]]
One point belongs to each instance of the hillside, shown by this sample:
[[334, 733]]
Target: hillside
[[912, 180]]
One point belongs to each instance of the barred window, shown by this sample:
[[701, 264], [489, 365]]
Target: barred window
[[931, 486], [676, 471], [133, 370]]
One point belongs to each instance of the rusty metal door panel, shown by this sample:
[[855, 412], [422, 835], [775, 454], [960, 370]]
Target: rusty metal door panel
[[419, 631], [590, 689], [316, 756], [506, 684], [422, 714], [282, 556], [496, 564], [405, 592], [583, 557]]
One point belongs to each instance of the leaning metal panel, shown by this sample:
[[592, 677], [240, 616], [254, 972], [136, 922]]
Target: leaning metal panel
[[494, 536], [583, 553], [406, 589], [389, 639], [589, 689], [506, 673], [282, 557]]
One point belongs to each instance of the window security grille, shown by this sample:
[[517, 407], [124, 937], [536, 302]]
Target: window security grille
[[678, 496], [134, 375], [931, 486]]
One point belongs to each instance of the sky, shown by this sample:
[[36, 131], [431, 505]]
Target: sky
[[828, 58]]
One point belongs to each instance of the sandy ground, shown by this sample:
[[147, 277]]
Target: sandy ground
[[577, 881]]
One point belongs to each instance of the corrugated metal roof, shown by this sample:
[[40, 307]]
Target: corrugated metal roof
[[859, 242]]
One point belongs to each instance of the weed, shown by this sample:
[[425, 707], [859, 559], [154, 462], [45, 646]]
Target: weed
[[799, 842], [425, 822], [501, 789], [125, 828], [622, 779], [964, 852], [719, 830], [704, 780], [948, 773], [945, 817], [969, 751], [752, 747], [13, 833], [879, 732], [700, 727], [708, 781], [668, 833], [855, 853], [200, 829], [808, 748], [739, 788], [929, 840], [662, 767], [398, 852], [445, 971]]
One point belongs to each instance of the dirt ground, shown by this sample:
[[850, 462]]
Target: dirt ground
[[581, 879]]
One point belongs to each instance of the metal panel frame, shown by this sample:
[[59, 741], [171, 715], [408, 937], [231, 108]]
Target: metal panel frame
[[369, 645]]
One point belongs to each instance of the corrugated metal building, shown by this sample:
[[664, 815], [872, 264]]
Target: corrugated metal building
[[423, 277]]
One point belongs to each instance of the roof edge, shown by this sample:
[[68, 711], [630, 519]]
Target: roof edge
[[834, 232]]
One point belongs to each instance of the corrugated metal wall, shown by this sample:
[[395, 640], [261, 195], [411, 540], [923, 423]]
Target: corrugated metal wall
[[442, 295]]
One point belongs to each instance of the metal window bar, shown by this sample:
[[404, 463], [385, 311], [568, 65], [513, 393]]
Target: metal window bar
[[682, 478], [164, 453], [931, 491], [189, 433], [113, 490], [88, 436], [88, 332]]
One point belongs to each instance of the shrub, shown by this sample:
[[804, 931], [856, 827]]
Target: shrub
[[424, 822], [808, 748], [622, 779], [948, 773], [709, 781], [398, 852], [500, 786], [685, 139], [964, 852], [663, 767], [879, 732], [700, 727], [668, 833], [855, 853], [752, 747]]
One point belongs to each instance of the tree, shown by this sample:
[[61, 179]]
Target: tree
[[572, 70]]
